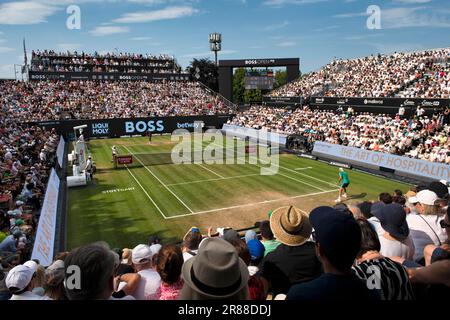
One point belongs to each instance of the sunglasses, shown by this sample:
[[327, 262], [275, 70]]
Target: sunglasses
[[444, 224]]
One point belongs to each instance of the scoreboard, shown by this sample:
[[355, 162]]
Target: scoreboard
[[259, 79]]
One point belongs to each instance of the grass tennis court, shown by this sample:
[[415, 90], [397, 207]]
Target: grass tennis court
[[126, 205]]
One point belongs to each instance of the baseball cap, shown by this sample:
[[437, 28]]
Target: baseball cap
[[426, 197], [19, 277], [155, 248], [338, 234], [141, 254]]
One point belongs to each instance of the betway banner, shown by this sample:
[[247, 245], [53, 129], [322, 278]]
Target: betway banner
[[416, 167], [243, 132], [379, 102], [110, 76], [110, 128], [45, 235]]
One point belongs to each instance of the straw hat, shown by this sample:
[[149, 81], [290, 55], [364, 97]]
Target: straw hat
[[290, 226]]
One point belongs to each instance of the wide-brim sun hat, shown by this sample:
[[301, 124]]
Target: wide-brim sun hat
[[216, 271], [290, 226]]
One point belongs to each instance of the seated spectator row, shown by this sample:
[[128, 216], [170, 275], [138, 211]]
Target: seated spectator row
[[423, 137], [395, 248], [59, 100], [110, 62], [404, 74]]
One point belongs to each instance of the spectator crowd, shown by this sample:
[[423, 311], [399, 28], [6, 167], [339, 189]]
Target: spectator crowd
[[51, 61], [394, 248], [422, 74], [61, 100], [26, 156], [425, 137]]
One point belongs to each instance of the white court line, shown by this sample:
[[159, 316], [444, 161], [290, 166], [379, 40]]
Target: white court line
[[214, 179], [212, 171], [252, 204], [162, 183], [329, 183], [148, 196], [298, 169], [282, 174]]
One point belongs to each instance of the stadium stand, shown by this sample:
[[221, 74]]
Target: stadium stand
[[374, 76], [423, 138], [374, 234]]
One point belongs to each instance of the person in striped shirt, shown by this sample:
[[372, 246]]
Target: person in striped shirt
[[382, 274]]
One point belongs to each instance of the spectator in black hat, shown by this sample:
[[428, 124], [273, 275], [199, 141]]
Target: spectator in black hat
[[394, 239], [381, 274], [338, 241]]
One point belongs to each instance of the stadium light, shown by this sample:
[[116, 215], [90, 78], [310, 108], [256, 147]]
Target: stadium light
[[215, 43]]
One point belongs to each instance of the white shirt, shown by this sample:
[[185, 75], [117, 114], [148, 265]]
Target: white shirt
[[395, 248], [148, 285], [89, 164], [425, 230], [187, 255], [27, 295]]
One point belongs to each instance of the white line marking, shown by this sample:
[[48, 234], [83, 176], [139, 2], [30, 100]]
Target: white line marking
[[298, 169], [252, 204], [282, 174], [214, 179], [162, 183], [289, 177], [329, 183], [212, 171], [148, 196]]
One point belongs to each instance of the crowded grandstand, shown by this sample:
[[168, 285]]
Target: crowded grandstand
[[318, 249]]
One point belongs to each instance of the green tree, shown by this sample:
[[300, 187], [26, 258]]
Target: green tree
[[205, 71], [239, 85], [280, 78], [254, 95]]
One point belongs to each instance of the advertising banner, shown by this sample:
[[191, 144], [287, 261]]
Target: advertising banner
[[380, 102], [416, 167], [110, 128], [60, 151], [110, 76], [243, 132], [282, 101], [45, 235]]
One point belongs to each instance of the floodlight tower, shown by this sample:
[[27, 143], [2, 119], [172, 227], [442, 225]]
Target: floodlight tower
[[215, 43]]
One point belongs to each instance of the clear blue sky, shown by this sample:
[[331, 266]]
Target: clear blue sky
[[316, 31]]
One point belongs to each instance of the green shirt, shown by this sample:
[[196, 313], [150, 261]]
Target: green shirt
[[269, 246], [344, 177]]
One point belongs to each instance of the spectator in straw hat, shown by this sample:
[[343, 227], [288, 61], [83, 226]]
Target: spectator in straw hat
[[294, 260], [338, 241], [215, 273]]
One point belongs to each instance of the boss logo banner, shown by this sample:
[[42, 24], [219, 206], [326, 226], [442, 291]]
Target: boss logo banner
[[139, 126], [41, 76]]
